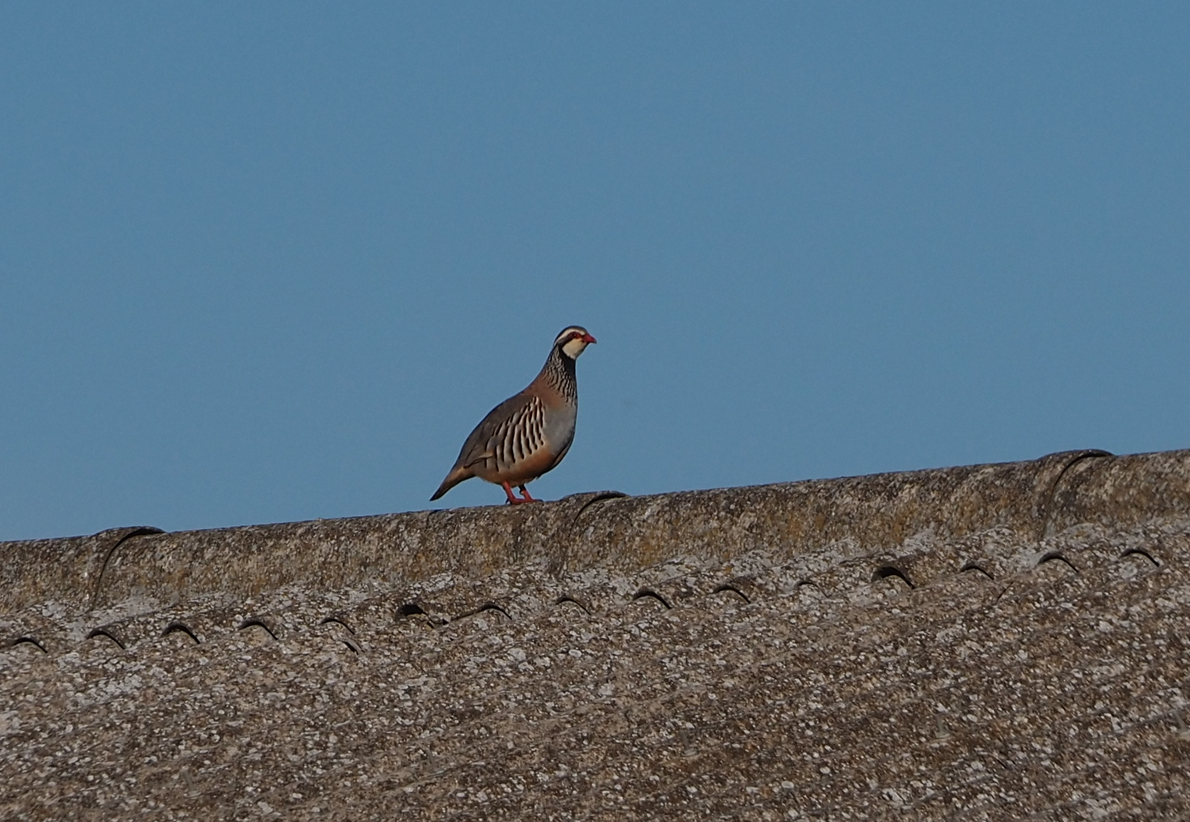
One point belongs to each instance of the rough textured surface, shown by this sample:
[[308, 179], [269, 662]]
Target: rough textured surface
[[987, 642]]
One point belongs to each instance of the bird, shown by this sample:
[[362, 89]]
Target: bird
[[529, 433]]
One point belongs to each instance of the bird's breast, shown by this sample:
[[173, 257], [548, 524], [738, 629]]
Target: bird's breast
[[559, 428]]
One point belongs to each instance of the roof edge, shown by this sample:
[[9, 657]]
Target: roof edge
[[1034, 498]]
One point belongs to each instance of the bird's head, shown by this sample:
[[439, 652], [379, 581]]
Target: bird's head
[[573, 340]]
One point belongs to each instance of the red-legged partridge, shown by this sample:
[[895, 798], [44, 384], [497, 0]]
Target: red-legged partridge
[[526, 435]]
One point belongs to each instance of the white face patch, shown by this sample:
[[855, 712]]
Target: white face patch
[[572, 348]]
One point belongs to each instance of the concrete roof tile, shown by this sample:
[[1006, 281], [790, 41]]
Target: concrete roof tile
[[1002, 642]]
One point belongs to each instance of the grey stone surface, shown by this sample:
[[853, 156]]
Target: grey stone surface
[[987, 642]]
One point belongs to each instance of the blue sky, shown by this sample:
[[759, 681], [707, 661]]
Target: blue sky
[[264, 263]]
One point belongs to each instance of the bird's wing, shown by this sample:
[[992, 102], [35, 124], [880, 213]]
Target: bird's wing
[[512, 430]]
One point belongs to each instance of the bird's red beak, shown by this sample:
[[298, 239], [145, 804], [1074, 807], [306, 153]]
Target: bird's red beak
[[588, 339]]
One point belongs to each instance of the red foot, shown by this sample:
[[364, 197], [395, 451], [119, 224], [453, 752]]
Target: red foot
[[513, 499]]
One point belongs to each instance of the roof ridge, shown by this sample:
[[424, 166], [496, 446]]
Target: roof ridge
[[1032, 498]]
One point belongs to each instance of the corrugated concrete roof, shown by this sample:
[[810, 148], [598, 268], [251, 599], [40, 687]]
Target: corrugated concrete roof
[[988, 642]]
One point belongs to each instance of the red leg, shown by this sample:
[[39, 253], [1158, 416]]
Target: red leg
[[512, 498]]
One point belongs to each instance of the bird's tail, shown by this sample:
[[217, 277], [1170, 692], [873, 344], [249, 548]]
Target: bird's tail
[[456, 475]]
